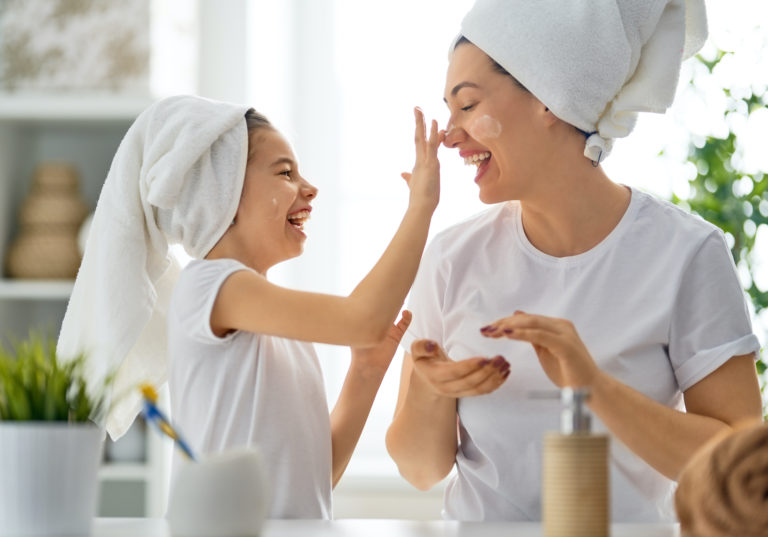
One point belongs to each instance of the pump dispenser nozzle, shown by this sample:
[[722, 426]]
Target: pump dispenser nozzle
[[575, 417]]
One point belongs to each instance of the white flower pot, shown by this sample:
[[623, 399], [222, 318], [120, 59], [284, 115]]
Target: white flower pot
[[48, 478]]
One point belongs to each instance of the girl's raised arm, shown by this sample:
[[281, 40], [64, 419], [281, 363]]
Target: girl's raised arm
[[248, 301]]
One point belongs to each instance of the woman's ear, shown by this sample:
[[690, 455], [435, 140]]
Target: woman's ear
[[549, 118]]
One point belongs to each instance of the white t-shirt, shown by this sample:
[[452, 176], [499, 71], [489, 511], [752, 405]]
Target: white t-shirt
[[248, 389], [657, 303]]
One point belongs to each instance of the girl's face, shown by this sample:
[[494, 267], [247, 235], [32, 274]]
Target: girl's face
[[492, 124], [275, 202]]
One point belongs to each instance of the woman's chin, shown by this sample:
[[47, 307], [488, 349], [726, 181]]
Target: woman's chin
[[489, 197]]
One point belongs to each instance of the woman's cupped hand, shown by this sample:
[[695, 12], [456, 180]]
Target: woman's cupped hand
[[561, 352], [463, 378]]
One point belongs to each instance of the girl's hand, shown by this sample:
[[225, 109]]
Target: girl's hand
[[424, 180], [562, 354], [375, 360], [473, 376]]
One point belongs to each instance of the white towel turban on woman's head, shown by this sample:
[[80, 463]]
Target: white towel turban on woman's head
[[594, 63], [177, 177]]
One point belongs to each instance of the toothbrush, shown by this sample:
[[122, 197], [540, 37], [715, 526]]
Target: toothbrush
[[153, 415]]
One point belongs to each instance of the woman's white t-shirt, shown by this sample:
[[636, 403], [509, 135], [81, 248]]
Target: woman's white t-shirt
[[248, 389], [657, 303]]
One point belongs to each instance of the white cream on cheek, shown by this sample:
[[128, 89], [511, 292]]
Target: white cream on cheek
[[275, 213], [485, 127]]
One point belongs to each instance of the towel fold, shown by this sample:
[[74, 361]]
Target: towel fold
[[594, 63], [723, 490], [175, 179]]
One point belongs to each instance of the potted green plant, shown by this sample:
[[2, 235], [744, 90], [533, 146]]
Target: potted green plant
[[50, 445]]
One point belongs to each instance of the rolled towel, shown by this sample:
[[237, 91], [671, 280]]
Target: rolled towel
[[723, 490], [595, 64]]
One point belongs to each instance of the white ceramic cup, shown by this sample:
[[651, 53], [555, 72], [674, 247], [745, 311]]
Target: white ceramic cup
[[223, 495]]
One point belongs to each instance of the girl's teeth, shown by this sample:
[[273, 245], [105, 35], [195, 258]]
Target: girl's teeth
[[476, 159], [299, 218]]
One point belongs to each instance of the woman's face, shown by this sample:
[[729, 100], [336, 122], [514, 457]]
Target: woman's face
[[275, 202], [491, 122]]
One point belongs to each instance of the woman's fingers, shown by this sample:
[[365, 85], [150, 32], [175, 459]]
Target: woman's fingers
[[472, 376], [507, 326], [483, 380]]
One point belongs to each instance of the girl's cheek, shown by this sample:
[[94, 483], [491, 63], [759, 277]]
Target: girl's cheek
[[280, 202], [485, 128]]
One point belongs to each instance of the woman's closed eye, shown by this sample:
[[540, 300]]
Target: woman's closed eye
[[467, 108]]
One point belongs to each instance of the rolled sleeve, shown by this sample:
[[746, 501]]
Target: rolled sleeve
[[710, 321]]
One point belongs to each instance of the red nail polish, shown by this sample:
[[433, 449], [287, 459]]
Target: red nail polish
[[430, 346], [508, 331]]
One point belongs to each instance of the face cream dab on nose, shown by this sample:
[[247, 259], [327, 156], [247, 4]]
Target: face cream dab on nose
[[485, 127]]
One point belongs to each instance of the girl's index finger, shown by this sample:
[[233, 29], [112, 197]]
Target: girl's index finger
[[421, 130], [435, 137]]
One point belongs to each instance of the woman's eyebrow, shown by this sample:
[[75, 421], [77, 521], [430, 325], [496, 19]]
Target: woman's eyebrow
[[460, 86]]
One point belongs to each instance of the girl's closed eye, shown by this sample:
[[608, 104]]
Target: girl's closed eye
[[467, 108]]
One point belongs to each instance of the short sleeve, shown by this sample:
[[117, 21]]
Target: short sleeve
[[195, 295], [427, 297], [710, 321]]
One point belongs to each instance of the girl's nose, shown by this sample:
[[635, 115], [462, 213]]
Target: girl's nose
[[309, 191]]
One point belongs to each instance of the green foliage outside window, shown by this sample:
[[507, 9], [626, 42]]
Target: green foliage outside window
[[726, 195]]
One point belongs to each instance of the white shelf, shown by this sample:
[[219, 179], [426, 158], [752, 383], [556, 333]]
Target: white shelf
[[80, 107], [11, 289]]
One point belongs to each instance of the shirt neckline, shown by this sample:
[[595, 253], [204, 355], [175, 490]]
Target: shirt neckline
[[595, 251]]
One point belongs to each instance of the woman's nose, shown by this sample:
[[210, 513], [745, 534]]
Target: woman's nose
[[453, 135]]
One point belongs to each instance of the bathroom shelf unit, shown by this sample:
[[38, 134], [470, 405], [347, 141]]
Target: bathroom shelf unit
[[86, 131]]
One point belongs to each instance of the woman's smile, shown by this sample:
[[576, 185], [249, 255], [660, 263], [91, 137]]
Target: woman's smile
[[481, 159]]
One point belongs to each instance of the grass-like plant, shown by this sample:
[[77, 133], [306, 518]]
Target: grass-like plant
[[35, 385]]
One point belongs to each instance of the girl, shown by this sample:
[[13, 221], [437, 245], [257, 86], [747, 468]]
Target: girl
[[577, 280], [222, 181]]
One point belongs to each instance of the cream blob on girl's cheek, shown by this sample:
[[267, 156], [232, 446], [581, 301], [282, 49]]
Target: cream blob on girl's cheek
[[485, 127], [275, 209]]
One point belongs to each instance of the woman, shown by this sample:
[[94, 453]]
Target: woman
[[578, 281]]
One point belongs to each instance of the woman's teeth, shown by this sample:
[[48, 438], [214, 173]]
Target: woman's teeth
[[476, 159], [298, 219]]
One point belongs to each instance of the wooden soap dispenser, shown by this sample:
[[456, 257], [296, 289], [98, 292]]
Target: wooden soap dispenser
[[575, 475]]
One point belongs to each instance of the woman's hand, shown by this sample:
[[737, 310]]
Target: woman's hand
[[376, 359], [445, 377], [562, 354], [424, 180]]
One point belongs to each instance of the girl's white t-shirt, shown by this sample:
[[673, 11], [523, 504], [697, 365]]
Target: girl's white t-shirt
[[657, 303], [248, 389]]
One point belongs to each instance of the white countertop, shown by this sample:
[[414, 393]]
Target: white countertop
[[157, 527]]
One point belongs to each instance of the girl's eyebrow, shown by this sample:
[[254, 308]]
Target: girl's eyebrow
[[283, 160], [460, 86]]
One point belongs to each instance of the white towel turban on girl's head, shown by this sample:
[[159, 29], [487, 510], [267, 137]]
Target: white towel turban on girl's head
[[177, 177], [594, 63]]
